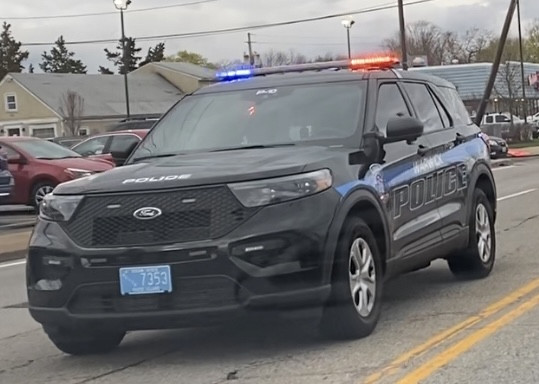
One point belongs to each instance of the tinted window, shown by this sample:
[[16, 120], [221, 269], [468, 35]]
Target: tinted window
[[93, 146], [489, 119], [424, 105], [453, 101], [328, 114], [122, 143], [443, 113], [390, 104]]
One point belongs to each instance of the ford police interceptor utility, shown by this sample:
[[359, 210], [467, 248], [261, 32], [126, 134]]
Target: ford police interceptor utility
[[276, 188]]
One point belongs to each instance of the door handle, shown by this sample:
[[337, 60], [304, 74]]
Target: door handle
[[422, 150]]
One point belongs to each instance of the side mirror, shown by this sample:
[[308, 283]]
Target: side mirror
[[16, 159], [404, 128]]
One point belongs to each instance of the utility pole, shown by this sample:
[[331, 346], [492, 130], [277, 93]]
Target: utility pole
[[524, 102], [402, 27], [126, 65], [250, 44], [496, 64]]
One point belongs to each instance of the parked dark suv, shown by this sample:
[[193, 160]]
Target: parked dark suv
[[308, 187]]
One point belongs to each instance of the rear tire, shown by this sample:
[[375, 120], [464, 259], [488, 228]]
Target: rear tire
[[355, 303], [477, 261], [80, 343]]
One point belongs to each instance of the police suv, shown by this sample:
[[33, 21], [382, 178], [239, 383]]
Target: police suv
[[277, 188]]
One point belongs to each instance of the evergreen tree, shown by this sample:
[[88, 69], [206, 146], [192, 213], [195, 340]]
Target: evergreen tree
[[155, 54], [60, 60], [11, 56], [105, 71], [131, 58]]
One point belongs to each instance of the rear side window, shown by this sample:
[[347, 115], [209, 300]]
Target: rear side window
[[425, 107], [390, 104], [490, 119], [454, 102], [122, 143]]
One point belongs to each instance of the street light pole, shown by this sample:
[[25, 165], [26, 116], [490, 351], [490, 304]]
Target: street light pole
[[122, 5], [347, 23], [402, 28], [524, 104]]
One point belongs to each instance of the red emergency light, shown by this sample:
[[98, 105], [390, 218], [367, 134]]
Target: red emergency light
[[374, 62]]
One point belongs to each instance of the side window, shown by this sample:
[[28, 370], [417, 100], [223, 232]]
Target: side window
[[457, 108], [490, 120], [443, 113], [390, 104], [122, 143], [502, 119], [92, 146], [10, 152], [425, 107]]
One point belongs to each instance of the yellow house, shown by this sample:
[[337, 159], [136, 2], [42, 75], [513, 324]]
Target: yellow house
[[35, 104]]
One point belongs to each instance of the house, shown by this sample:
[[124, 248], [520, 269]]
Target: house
[[37, 104], [471, 81]]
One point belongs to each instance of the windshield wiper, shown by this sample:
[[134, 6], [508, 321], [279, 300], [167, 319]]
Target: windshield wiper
[[259, 146], [155, 156]]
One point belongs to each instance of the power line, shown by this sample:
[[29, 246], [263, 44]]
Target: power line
[[107, 13], [237, 29]]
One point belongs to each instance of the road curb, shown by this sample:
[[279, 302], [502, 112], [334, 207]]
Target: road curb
[[501, 163], [24, 225], [10, 256]]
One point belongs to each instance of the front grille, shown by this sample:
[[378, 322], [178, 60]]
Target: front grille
[[4, 180], [201, 293], [187, 215]]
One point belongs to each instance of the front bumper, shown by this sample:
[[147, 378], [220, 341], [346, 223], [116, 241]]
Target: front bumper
[[276, 260]]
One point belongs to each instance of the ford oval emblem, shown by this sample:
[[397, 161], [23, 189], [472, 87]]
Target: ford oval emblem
[[147, 213]]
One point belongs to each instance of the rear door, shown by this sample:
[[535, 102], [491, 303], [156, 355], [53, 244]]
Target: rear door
[[414, 220]]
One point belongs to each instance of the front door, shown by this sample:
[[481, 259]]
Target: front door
[[414, 220]]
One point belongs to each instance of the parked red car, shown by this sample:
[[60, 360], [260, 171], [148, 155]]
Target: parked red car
[[108, 145], [39, 165]]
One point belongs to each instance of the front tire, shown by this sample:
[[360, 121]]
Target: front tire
[[80, 343], [477, 261], [355, 304], [38, 193]]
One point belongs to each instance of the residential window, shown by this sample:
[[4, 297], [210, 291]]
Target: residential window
[[11, 103], [43, 133], [83, 131]]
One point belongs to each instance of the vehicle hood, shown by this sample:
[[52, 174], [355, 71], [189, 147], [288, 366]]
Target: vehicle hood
[[95, 165], [206, 169]]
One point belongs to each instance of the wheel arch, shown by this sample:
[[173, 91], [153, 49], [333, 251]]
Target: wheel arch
[[367, 206], [482, 177]]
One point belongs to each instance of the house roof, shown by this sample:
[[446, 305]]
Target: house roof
[[471, 79], [104, 95], [201, 73]]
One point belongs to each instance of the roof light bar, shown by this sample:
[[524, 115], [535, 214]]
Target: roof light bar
[[367, 63]]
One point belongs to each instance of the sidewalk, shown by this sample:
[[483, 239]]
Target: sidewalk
[[523, 152], [13, 245]]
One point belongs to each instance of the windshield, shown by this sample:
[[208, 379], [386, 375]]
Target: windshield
[[327, 114], [42, 149]]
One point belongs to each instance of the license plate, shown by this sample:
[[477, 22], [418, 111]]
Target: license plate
[[145, 280]]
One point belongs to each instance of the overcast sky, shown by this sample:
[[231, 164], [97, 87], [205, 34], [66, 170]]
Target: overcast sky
[[310, 38]]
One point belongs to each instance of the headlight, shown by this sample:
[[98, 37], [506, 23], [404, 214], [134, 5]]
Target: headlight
[[58, 208], [271, 191], [78, 173], [492, 142]]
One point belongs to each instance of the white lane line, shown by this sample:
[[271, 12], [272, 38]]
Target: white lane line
[[12, 264], [517, 194]]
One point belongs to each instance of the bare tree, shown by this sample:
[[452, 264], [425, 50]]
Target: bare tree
[[72, 109], [472, 43]]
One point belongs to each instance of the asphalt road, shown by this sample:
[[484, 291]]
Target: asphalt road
[[434, 329]]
